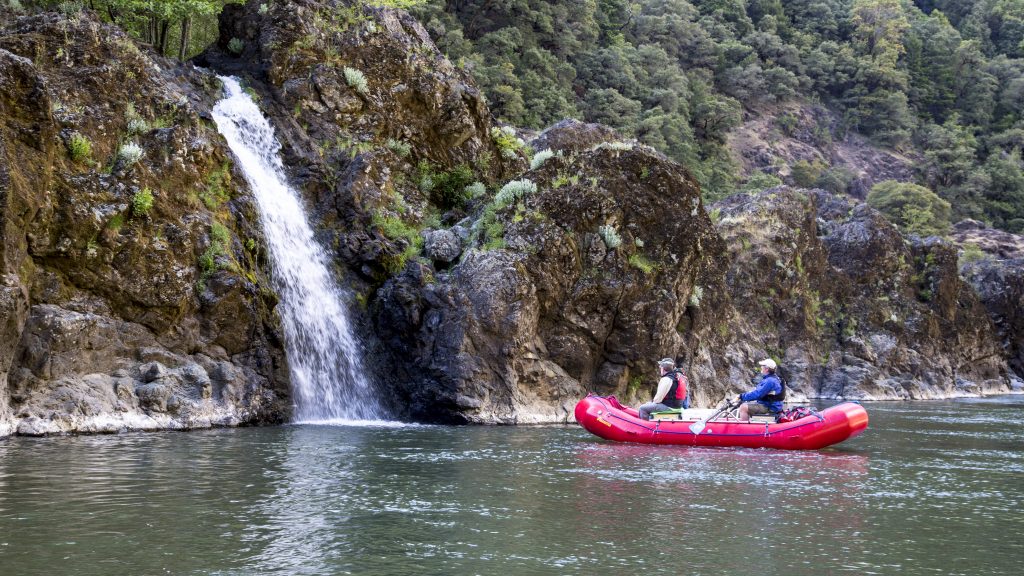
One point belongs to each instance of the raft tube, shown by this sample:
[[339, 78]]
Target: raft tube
[[605, 417]]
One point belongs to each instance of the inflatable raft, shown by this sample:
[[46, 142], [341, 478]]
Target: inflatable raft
[[605, 417]]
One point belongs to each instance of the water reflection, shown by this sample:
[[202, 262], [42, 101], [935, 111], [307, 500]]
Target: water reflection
[[705, 497]]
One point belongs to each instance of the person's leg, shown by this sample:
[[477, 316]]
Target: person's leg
[[646, 409], [755, 409], [748, 409]]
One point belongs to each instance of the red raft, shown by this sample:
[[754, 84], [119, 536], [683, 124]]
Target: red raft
[[605, 417]]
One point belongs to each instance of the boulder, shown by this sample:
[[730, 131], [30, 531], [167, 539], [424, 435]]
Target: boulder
[[442, 246]]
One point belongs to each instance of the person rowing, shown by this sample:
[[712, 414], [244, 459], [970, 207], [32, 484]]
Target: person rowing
[[767, 397]]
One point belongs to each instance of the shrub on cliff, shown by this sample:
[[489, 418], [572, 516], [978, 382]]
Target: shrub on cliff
[[447, 189], [142, 202], [355, 79], [914, 209], [514, 191], [79, 148]]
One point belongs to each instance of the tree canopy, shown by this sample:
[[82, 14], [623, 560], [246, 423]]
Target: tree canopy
[[938, 79], [914, 209]]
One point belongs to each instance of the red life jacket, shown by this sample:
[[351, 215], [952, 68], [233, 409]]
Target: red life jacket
[[676, 397]]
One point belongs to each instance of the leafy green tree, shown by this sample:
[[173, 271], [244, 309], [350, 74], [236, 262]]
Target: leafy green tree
[[760, 181], [950, 153], [156, 22], [974, 87], [884, 115], [914, 209], [1004, 195], [807, 173], [878, 30], [931, 44]]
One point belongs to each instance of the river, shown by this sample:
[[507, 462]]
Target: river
[[929, 488]]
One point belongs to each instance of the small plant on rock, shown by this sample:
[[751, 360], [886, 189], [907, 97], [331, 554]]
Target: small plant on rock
[[79, 148], [401, 148], [142, 202], [617, 146], [220, 237], [136, 123], [508, 143], [610, 236], [971, 253], [355, 79], [236, 46], [69, 8], [641, 263], [540, 158], [513, 191], [116, 223], [449, 187], [218, 187], [475, 190], [128, 154], [696, 296]]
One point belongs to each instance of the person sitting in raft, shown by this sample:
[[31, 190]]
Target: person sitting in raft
[[665, 398], [767, 397]]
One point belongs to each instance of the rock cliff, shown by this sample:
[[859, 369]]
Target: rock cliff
[[993, 262], [494, 280], [129, 299], [852, 308]]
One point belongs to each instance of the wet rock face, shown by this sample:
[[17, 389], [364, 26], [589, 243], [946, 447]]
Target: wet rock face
[[992, 261], [851, 308], [102, 245], [1000, 285], [91, 373], [577, 284]]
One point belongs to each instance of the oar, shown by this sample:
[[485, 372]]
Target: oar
[[698, 426]]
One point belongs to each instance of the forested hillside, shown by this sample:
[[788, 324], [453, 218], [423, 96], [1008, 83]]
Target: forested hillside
[[942, 81], [939, 83]]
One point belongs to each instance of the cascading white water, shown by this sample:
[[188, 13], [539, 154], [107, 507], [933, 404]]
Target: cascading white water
[[326, 371]]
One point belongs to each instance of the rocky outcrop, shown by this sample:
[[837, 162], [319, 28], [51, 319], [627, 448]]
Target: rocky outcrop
[[774, 140], [123, 233], [993, 262], [850, 307], [578, 277]]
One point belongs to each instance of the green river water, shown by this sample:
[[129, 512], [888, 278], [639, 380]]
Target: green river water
[[930, 488]]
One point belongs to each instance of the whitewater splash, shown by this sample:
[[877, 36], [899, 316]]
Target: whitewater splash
[[326, 370]]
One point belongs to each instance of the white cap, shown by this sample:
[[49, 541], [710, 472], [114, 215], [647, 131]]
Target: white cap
[[768, 362]]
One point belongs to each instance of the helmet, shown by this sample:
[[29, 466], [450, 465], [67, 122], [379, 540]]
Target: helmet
[[768, 363], [667, 363]]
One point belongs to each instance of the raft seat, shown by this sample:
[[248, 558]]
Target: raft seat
[[681, 414], [675, 414], [697, 414]]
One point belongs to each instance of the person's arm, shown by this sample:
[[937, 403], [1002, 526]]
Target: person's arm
[[762, 390], [663, 385]]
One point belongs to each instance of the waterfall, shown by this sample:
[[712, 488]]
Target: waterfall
[[328, 381]]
